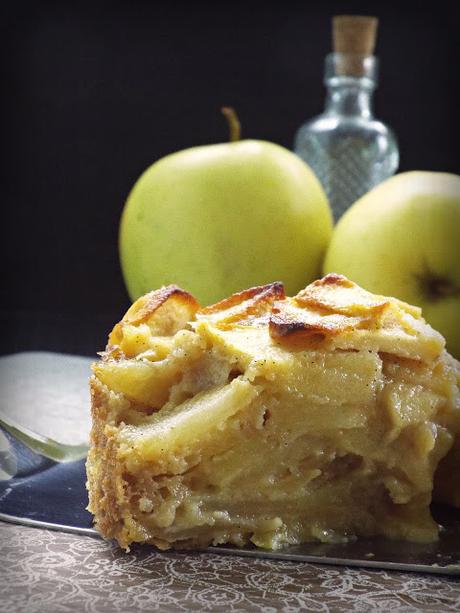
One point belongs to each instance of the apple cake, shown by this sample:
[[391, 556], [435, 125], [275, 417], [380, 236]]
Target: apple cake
[[272, 420]]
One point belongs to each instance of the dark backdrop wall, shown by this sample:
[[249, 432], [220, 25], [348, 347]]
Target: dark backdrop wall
[[94, 93]]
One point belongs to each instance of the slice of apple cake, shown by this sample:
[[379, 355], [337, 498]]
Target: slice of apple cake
[[271, 419]]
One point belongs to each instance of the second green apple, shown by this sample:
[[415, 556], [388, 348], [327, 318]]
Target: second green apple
[[220, 218], [403, 239]]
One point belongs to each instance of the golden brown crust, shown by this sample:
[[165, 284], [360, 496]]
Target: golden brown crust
[[150, 309], [103, 471], [107, 481], [147, 305]]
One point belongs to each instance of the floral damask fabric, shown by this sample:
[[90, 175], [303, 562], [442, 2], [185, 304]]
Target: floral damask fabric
[[55, 572]]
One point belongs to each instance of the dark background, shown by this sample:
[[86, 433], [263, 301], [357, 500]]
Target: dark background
[[94, 93]]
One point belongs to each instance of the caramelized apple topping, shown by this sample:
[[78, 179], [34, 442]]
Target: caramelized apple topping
[[306, 327], [244, 308], [338, 294], [331, 311]]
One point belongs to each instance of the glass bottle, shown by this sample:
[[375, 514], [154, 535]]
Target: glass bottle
[[348, 149]]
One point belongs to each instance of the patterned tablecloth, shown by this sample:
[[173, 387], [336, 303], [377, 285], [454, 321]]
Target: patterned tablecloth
[[55, 572]]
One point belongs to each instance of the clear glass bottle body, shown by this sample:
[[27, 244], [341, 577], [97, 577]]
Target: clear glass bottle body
[[347, 148]]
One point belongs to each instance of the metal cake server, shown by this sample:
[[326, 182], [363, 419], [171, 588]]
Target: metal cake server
[[23, 451]]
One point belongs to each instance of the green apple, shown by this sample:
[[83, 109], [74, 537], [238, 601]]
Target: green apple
[[403, 239], [220, 218]]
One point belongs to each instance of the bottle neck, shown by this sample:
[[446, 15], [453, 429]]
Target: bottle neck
[[350, 98]]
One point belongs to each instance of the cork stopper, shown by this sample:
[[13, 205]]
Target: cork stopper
[[353, 36]]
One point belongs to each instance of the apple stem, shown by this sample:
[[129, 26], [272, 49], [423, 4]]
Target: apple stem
[[234, 125]]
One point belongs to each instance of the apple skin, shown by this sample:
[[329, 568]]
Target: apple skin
[[403, 239], [217, 219]]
